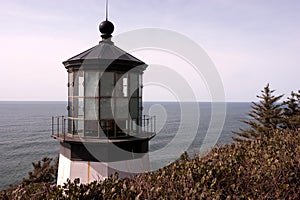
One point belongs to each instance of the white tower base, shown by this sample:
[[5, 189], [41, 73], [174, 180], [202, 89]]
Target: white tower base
[[89, 171]]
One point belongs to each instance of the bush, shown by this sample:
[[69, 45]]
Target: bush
[[44, 171], [258, 169], [265, 168]]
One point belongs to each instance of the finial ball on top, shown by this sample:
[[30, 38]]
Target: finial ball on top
[[106, 28]]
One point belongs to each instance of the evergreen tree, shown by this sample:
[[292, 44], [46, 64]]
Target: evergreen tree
[[44, 171], [291, 111], [266, 115]]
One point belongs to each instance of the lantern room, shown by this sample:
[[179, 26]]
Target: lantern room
[[105, 92], [104, 102]]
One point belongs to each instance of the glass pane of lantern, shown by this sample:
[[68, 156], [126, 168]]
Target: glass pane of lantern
[[107, 128], [134, 85], [133, 127], [70, 126], [78, 127], [122, 127], [70, 107], [91, 79], [121, 88], [133, 108], [140, 85], [122, 108], [91, 128], [78, 106], [75, 107], [125, 86], [70, 85], [107, 84], [78, 83], [140, 106], [91, 108], [103, 128], [106, 108], [75, 83]]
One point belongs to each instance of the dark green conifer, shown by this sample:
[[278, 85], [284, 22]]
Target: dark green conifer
[[266, 115], [291, 111], [44, 172]]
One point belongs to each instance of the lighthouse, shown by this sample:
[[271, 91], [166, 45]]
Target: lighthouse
[[105, 130]]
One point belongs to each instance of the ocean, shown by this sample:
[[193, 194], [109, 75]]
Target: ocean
[[25, 130]]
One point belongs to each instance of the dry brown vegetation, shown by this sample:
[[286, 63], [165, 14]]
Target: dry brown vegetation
[[264, 168]]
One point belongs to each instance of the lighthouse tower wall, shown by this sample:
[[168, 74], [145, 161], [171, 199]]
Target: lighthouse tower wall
[[89, 170]]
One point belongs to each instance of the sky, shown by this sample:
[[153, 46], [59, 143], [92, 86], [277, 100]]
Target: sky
[[250, 42]]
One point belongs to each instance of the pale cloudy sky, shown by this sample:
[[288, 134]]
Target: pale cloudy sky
[[251, 42]]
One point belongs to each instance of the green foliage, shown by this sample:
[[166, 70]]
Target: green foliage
[[291, 114], [264, 168], [38, 184], [266, 116], [44, 172]]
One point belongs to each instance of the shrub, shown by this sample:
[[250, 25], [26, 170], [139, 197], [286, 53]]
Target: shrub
[[264, 168]]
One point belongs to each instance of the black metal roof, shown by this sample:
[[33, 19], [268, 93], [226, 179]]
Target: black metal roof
[[105, 53]]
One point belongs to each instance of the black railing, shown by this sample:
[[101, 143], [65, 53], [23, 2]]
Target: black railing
[[60, 125], [149, 124]]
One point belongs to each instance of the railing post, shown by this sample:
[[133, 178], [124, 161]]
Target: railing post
[[147, 125], [58, 126], [150, 123], [52, 124], [65, 120], [143, 123], [63, 126], [154, 123]]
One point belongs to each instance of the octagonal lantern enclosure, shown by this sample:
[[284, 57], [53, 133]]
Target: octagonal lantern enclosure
[[104, 93]]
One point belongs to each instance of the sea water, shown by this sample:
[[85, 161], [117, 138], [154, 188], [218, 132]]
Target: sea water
[[25, 131]]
